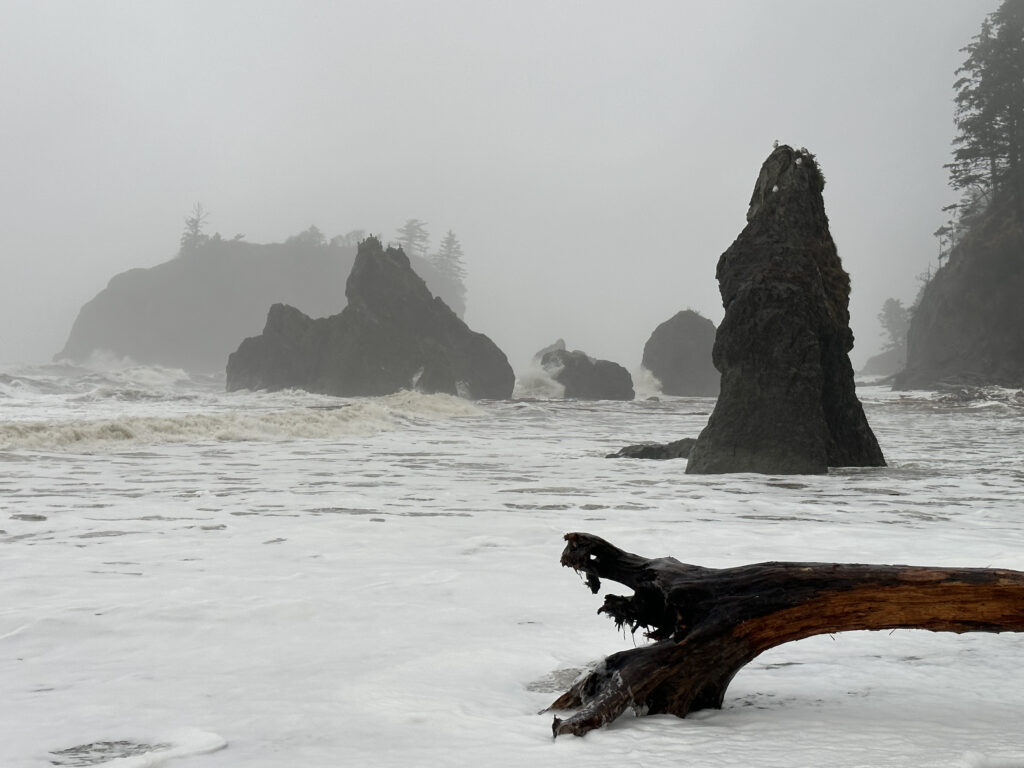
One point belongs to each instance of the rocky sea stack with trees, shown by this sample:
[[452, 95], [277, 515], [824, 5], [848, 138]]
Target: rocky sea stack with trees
[[191, 311]]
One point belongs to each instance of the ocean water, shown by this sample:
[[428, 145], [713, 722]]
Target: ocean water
[[202, 579]]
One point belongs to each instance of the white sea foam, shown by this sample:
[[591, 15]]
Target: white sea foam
[[102, 381], [132, 753], [645, 384], [264, 419], [536, 382], [979, 760], [397, 599]]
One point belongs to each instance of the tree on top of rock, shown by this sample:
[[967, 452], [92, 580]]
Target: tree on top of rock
[[193, 236], [988, 156], [414, 238], [448, 262]]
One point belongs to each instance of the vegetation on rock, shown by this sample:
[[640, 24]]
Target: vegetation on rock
[[192, 311], [968, 324]]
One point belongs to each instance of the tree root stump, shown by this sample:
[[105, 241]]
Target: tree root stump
[[707, 623]]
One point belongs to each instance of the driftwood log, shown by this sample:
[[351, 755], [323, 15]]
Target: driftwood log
[[707, 623]]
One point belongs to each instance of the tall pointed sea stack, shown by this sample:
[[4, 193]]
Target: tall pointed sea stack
[[787, 402]]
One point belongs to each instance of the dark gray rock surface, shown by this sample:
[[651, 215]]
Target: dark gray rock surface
[[787, 402], [585, 378], [392, 335], [677, 449], [679, 352]]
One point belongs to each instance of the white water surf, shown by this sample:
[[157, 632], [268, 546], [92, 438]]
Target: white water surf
[[320, 582]]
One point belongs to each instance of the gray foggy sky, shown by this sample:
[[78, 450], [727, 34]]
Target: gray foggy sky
[[594, 158]]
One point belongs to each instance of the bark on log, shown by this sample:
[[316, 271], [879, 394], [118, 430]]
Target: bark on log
[[707, 623]]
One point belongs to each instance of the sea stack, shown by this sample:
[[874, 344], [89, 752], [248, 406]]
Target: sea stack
[[393, 335], [191, 312], [678, 353], [787, 402], [583, 377]]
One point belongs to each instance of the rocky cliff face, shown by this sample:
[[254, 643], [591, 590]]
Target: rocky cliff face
[[679, 354], [968, 327], [190, 312], [787, 402], [393, 335]]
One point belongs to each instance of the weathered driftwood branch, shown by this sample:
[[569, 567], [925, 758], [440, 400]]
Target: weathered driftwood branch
[[707, 623]]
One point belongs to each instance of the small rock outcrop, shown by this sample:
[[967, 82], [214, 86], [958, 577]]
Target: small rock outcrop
[[678, 353], [677, 449], [968, 325], [787, 402], [585, 378], [392, 335], [556, 345]]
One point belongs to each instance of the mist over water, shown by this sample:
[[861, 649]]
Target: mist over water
[[594, 161]]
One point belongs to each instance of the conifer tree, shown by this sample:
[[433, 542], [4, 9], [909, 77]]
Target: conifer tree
[[895, 321], [988, 155], [414, 238], [448, 262], [193, 236]]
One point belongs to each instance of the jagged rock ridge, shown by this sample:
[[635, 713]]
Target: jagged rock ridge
[[393, 335]]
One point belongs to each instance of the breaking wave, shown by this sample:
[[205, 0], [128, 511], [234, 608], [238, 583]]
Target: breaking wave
[[253, 418], [536, 383], [90, 383], [645, 384], [994, 400]]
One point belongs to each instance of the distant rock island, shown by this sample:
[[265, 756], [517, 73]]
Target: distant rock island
[[886, 363], [679, 354], [787, 402], [584, 377], [190, 312], [392, 335], [968, 325]]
